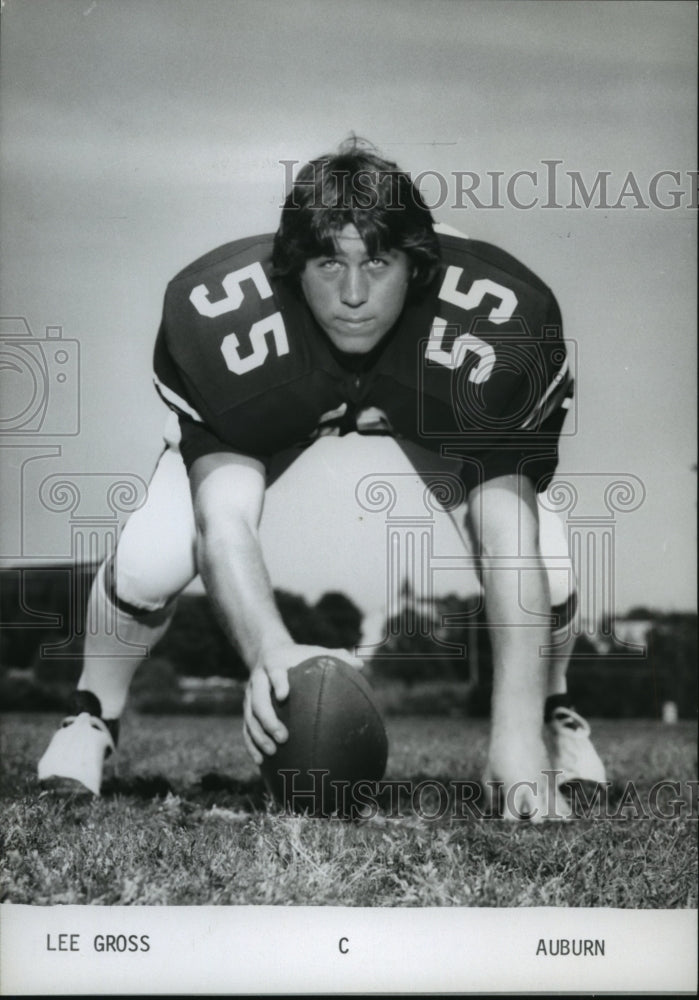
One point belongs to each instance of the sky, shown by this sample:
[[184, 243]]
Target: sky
[[138, 134]]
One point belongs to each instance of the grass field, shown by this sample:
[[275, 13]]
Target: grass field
[[184, 820]]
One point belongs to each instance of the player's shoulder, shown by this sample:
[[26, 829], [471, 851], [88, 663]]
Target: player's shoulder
[[229, 257], [490, 261]]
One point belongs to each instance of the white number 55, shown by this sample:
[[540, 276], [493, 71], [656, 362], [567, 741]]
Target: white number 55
[[274, 324], [468, 342]]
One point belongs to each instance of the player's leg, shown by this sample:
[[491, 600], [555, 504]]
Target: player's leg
[[553, 544], [517, 754], [130, 607], [566, 732], [503, 518]]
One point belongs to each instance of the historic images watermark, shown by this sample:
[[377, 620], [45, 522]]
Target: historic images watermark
[[431, 800], [548, 184], [81, 512]]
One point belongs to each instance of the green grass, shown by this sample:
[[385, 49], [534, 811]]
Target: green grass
[[185, 821]]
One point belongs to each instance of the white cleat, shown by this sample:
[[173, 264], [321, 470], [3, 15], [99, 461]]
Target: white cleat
[[570, 748], [77, 752]]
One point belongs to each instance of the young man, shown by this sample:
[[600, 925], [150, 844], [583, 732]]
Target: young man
[[356, 316]]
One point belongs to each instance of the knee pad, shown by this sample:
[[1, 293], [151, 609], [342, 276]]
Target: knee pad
[[563, 613], [129, 600]]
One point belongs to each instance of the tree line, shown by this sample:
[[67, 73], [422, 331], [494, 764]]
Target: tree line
[[431, 658]]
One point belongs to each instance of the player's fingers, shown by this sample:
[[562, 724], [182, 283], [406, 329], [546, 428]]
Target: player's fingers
[[525, 801], [550, 806], [262, 712], [527, 806], [252, 750], [280, 683], [557, 809], [259, 737], [263, 742], [519, 801], [492, 795]]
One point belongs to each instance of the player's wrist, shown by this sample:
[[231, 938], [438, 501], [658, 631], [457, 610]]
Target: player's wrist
[[277, 645]]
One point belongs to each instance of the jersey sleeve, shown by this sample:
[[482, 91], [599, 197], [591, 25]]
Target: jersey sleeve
[[526, 402], [197, 438], [231, 356]]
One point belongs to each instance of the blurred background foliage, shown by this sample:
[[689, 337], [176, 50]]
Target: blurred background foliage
[[432, 659]]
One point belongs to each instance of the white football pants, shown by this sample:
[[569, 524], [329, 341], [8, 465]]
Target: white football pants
[[156, 551], [156, 559]]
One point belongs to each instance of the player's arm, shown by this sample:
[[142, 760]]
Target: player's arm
[[504, 520], [228, 494]]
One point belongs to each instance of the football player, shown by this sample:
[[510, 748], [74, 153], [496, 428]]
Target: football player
[[358, 315]]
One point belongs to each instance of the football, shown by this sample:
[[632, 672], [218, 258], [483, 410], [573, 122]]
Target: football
[[336, 739]]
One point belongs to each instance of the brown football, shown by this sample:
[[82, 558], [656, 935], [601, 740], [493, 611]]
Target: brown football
[[336, 739]]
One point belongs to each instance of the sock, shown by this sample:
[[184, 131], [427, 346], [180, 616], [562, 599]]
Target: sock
[[555, 701], [86, 701], [116, 643]]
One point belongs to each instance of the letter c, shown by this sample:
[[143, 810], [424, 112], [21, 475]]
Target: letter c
[[342, 945]]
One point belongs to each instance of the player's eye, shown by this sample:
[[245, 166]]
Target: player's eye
[[378, 262], [329, 264]]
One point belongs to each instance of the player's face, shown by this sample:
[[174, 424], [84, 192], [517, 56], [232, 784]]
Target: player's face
[[356, 298]]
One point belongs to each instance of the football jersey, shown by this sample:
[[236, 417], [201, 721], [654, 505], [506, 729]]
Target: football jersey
[[475, 368]]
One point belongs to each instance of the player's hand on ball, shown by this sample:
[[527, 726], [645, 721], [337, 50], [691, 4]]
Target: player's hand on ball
[[262, 730]]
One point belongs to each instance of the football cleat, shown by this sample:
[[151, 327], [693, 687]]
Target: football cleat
[[570, 747], [77, 752]]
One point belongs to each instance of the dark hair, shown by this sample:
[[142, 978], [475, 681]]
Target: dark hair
[[355, 186]]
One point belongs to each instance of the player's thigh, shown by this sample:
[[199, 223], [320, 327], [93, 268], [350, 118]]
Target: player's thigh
[[442, 475], [156, 554], [555, 552]]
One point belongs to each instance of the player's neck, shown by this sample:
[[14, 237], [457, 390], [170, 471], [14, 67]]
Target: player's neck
[[353, 362]]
